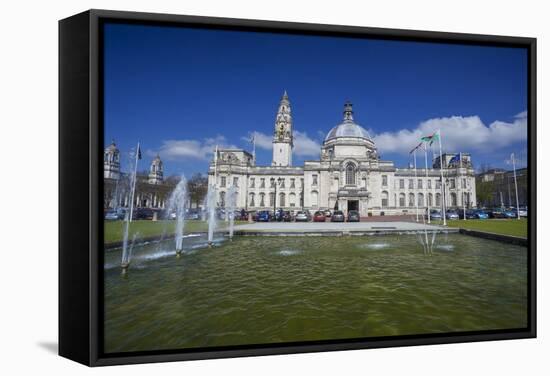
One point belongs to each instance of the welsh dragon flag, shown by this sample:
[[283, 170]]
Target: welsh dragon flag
[[431, 139]]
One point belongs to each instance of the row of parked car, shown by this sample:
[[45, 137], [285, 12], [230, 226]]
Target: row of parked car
[[148, 214], [485, 213], [305, 216]]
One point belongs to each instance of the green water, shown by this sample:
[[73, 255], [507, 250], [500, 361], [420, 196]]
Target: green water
[[269, 290]]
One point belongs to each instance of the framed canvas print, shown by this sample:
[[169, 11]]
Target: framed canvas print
[[239, 187]]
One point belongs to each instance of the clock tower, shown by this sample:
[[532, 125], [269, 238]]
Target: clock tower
[[282, 137]]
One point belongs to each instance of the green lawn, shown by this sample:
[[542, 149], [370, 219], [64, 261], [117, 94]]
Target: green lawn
[[512, 227], [114, 229]]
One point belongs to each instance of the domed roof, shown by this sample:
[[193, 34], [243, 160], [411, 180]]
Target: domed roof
[[157, 160], [111, 148], [348, 128]]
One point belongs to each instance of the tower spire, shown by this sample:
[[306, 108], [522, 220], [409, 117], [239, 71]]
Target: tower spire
[[348, 111], [282, 135]]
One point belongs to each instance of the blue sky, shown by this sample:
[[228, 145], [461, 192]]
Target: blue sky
[[181, 91]]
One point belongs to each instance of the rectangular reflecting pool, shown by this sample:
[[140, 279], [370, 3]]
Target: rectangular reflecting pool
[[257, 290]]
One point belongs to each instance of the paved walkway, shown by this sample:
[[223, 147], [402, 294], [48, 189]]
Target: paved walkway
[[335, 228]]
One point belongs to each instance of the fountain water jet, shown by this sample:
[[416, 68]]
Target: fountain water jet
[[176, 204], [125, 262], [211, 208], [231, 206]]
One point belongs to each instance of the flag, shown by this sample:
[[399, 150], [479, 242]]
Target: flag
[[430, 139], [455, 158], [415, 148], [138, 152]]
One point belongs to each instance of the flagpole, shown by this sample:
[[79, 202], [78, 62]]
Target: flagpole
[[254, 148], [416, 181], [426, 184], [442, 181], [216, 166], [133, 193], [516, 184], [462, 188]]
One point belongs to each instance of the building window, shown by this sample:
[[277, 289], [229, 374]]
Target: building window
[[223, 181], [314, 199], [252, 203], [272, 199], [262, 183], [292, 183], [411, 183], [438, 184], [292, 199], [402, 185], [262, 199], [350, 174], [314, 178], [252, 183], [411, 199], [438, 199], [222, 199], [452, 183], [429, 184], [419, 184], [282, 199], [384, 180], [463, 183], [282, 183], [272, 182], [402, 199], [453, 199], [420, 199], [384, 199], [236, 182]]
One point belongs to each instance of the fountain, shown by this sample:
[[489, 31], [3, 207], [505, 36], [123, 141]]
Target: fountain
[[176, 204], [126, 254], [230, 209], [211, 208]]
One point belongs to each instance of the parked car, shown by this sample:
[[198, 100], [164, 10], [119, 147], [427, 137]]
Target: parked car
[[497, 213], [510, 213], [327, 213], [481, 214], [319, 216], [338, 216], [523, 211], [303, 216], [435, 215], [144, 213], [287, 217], [451, 214], [193, 214], [264, 216], [114, 215], [353, 216]]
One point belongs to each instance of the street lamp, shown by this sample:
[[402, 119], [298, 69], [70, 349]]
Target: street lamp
[[278, 181]]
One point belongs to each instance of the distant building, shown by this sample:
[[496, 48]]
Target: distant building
[[496, 187], [349, 175], [152, 191]]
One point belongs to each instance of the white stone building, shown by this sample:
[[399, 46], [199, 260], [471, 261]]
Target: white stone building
[[349, 175]]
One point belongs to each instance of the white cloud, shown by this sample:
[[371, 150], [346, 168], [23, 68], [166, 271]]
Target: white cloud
[[179, 150], [263, 141], [304, 145], [459, 133]]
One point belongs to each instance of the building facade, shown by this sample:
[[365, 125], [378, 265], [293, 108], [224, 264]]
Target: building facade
[[349, 175], [497, 187], [152, 190]]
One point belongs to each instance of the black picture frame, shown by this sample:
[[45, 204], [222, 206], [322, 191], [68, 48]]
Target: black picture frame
[[80, 186]]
